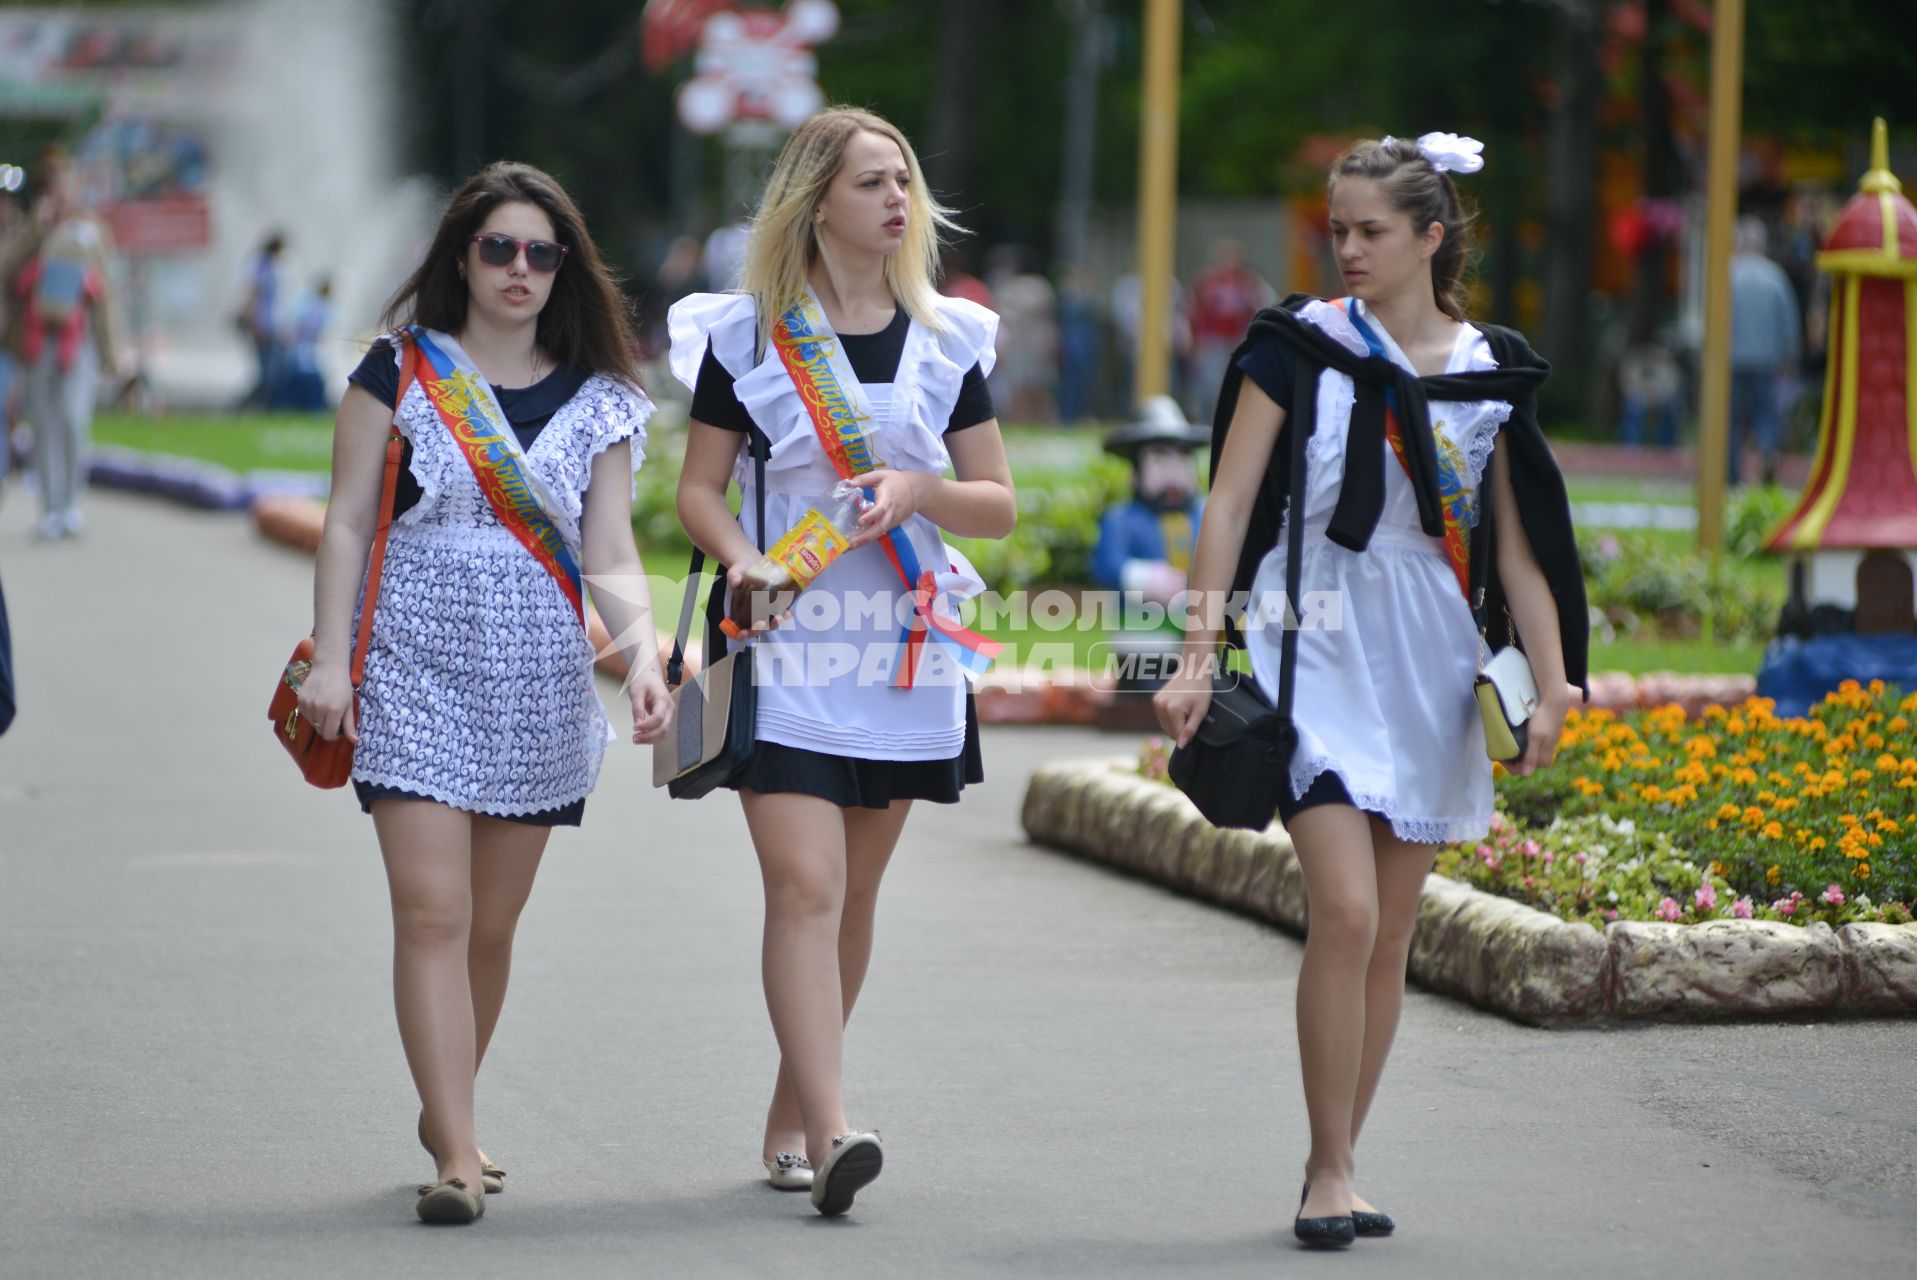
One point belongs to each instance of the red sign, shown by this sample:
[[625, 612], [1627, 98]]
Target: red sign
[[161, 224]]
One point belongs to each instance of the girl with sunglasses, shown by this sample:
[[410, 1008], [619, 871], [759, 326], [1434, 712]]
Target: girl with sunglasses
[[509, 374], [837, 361]]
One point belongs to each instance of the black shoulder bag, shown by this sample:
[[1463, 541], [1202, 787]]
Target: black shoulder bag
[[715, 714], [1241, 752]]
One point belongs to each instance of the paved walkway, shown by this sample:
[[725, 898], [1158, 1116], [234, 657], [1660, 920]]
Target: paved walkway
[[1077, 1074]]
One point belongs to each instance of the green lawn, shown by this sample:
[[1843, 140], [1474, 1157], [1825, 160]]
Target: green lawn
[[240, 442]]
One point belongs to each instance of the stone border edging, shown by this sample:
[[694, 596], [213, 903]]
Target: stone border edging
[[1498, 954], [191, 482]]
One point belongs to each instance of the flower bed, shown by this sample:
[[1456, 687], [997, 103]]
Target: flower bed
[[1736, 813]]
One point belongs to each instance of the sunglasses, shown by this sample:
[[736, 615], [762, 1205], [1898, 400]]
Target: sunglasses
[[499, 251]]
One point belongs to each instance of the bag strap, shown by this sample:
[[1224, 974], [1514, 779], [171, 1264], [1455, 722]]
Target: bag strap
[[676, 665], [1294, 568], [1481, 561], [376, 558]]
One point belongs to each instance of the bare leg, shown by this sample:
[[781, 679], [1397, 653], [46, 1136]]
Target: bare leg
[[1333, 843], [428, 852], [801, 845], [870, 837], [505, 859], [1401, 870]]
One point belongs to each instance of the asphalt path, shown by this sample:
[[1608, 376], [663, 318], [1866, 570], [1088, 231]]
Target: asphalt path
[[1077, 1074]]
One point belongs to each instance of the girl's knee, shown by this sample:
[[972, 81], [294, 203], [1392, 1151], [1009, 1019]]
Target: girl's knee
[[431, 924], [1347, 925]]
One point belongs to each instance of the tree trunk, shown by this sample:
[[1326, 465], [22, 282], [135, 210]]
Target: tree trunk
[[948, 153], [1572, 199]]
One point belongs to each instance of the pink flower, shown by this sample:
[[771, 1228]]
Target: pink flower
[[1741, 908], [1550, 856], [1497, 822], [1705, 897], [1785, 906], [1833, 895], [1483, 851], [1530, 848], [1580, 858], [1668, 910]]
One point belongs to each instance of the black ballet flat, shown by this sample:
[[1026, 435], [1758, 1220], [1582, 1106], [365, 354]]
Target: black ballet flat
[[1372, 1224], [1324, 1233]]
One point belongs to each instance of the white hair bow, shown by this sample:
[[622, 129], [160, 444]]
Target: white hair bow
[[1450, 153]]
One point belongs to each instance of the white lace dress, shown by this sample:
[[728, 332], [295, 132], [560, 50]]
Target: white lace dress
[[479, 686], [1385, 672]]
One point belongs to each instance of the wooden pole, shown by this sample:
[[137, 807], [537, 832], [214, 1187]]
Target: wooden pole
[[1157, 196], [1714, 400]]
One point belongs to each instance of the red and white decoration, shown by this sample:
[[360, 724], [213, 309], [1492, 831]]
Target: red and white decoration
[[751, 64]]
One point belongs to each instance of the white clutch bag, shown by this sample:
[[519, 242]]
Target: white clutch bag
[[1507, 695]]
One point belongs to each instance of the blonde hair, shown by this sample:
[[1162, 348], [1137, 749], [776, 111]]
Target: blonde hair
[[784, 239]]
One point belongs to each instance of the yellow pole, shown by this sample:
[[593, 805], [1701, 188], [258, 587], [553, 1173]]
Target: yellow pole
[[1714, 400], [1157, 196]]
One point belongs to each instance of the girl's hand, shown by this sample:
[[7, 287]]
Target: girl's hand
[[326, 701], [735, 583], [895, 500], [1543, 730], [651, 706], [1181, 705]]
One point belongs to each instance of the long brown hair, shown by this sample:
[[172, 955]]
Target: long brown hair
[[1416, 187], [586, 321]]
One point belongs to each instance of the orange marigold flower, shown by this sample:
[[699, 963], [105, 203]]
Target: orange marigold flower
[[1848, 819], [1787, 804], [1744, 777], [1728, 811], [1816, 843], [1773, 831], [1860, 775], [1876, 841], [1888, 826], [1712, 824], [1753, 815], [1862, 871], [1897, 724], [1773, 873], [1701, 747], [1873, 742], [1887, 763], [1767, 797]]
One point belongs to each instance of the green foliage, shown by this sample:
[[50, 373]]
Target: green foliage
[[1647, 584]]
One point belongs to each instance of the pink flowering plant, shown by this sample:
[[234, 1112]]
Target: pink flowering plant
[[1597, 869]]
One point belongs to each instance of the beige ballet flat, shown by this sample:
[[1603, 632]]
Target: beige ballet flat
[[450, 1202]]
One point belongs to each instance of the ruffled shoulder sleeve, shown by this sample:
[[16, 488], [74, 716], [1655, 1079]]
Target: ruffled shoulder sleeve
[[725, 322], [967, 333]]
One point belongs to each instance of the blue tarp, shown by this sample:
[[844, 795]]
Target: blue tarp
[[1798, 673]]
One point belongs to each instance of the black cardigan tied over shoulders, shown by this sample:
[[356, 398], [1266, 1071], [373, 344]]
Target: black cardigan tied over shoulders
[[1543, 507]]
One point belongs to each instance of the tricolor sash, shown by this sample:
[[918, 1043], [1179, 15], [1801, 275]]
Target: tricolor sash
[[1460, 505], [839, 409], [464, 401]]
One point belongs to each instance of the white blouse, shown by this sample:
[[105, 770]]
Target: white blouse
[[826, 677]]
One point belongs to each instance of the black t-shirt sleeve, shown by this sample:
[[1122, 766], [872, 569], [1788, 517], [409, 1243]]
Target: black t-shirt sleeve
[[713, 400], [1272, 364], [974, 402], [379, 374]]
